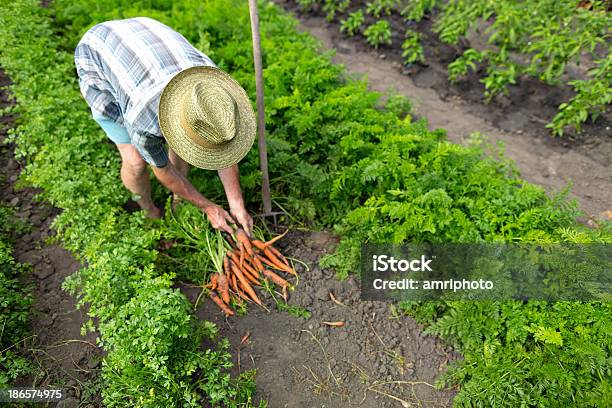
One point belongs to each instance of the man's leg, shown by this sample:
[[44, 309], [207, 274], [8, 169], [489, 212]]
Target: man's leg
[[182, 166], [135, 177]]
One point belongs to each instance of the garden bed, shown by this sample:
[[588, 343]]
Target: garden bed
[[58, 354], [517, 120]]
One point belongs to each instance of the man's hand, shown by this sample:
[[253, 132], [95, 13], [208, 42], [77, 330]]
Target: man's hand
[[231, 183], [218, 217], [244, 219]]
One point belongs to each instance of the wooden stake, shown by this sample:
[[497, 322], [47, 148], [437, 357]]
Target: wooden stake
[[261, 125]]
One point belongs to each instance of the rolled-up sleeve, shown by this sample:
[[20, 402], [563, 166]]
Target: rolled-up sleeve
[[152, 148], [94, 88]]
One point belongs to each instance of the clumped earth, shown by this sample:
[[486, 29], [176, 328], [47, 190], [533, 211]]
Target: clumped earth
[[377, 359], [517, 120], [60, 356]]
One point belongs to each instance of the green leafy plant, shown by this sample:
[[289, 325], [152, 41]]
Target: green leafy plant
[[415, 10], [352, 24], [551, 34], [539, 38], [377, 8], [412, 51], [331, 7], [153, 342], [378, 33], [466, 62], [15, 303], [592, 97]]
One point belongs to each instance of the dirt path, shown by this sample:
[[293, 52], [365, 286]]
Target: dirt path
[[60, 355], [543, 160], [374, 361]]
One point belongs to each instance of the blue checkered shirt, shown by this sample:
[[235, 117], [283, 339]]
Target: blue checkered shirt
[[123, 67]]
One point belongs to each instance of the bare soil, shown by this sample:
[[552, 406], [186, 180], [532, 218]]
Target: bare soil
[[517, 120], [61, 357], [377, 359]]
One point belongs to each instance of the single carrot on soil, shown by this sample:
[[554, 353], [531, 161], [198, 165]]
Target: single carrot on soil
[[334, 324]]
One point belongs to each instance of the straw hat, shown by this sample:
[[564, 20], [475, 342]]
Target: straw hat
[[207, 118]]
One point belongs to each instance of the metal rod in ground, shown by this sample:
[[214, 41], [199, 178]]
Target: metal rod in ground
[[261, 120]]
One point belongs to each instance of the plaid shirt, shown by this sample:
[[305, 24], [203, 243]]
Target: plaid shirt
[[123, 67]]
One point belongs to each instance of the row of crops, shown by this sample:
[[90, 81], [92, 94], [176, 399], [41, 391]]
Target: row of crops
[[540, 39], [339, 158], [15, 302], [153, 342]]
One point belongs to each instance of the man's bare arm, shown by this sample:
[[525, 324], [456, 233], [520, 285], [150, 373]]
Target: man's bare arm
[[174, 181]]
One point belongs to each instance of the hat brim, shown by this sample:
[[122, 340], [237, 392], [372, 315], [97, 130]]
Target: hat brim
[[171, 103]]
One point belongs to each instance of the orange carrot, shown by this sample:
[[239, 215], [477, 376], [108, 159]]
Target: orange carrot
[[258, 244], [276, 279], [334, 324], [233, 282], [258, 263], [263, 245], [233, 257], [243, 239], [250, 277], [224, 288], [235, 261], [273, 240], [279, 255], [267, 262], [274, 262], [214, 279], [251, 270], [242, 296], [242, 251], [226, 266], [225, 308], [245, 284], [229, 239]]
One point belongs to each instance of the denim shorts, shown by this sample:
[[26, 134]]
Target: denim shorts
[[115, 132]]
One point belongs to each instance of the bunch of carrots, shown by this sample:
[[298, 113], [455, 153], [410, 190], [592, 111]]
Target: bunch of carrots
[[247, 264]]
